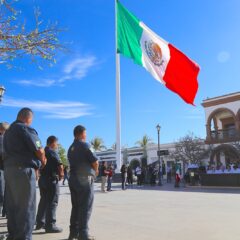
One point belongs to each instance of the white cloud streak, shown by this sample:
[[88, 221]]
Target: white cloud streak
[[76, 69], [53, 110]]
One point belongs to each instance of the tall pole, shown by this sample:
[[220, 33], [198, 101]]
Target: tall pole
[[118, 99], [159, 156]]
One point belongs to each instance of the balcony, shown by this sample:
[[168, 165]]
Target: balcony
[[223, 136]]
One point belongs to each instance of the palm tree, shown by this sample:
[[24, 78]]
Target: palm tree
[[144, 141], [114, 146], [97, 144]]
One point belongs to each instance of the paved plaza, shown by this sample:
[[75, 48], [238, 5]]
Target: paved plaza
[[156, 213]]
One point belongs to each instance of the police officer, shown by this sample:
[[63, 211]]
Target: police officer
[[83, 169], [49, 188], [3, 127], [23, 156]]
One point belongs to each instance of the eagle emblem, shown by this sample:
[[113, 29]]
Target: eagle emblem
[[154, 53]]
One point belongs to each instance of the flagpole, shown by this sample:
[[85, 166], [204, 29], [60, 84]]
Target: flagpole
[[118, 100]]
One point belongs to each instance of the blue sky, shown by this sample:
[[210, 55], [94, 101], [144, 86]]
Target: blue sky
[[80, 88]]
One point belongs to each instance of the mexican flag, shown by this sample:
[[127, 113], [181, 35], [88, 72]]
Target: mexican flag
[[165, 62]]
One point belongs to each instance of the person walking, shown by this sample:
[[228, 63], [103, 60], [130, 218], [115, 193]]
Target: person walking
[[155, 173], [124, 176], [169, 174], [83, 169], [109, 178], [130, 176], [139, 175], [65, 175], [3, 128], [104, 176], [51, 174], [23, 156]]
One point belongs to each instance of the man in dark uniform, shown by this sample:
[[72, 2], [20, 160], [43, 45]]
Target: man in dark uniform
[[49, 188], [3, 128], [83, 169], [24, 155]]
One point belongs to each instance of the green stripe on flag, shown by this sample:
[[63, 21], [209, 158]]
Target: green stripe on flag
[[129, 34]]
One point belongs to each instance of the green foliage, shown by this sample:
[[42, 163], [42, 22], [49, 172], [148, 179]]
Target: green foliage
[[97, 144], [40, 43], [144, 141], [62, 154]]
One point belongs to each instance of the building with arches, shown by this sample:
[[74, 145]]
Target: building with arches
[[223, 129], [222, 137]]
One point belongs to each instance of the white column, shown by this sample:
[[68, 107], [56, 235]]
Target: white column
[[118, 100]]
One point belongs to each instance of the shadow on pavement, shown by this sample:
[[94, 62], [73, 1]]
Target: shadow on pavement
[[170, 188]]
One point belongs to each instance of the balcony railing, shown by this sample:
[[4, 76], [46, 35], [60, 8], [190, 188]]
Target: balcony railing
[[225, 135]]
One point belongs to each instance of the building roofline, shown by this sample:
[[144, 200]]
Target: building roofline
[[231, 97]]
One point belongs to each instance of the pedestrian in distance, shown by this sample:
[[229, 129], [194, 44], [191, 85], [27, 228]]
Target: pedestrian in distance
[[139, 175], [130, 176], [177, 179], [155, 173], [123, 171], [24, 155], [109, 178], [51, 174], [65, 175], [83, 170], [104, 176], [169, 174]]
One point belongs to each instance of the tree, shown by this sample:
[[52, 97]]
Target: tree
[[114, 147], [62, 155], [97, 144], [16, 40], [144, 143], [190, 149]]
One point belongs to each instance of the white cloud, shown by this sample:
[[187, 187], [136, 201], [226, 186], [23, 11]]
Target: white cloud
[[76, 69], [37, 83], [56, 110], [223, 56]]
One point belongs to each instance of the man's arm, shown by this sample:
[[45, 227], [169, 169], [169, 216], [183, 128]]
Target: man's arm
[[40, 153], [60, 172], [95, 166]]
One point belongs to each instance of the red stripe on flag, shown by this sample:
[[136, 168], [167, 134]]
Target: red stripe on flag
[[181, 75]]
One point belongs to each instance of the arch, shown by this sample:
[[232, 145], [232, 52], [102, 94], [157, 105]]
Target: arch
[[231, 154], [219, 110], [238, 115], [221, 135], [135, 163]]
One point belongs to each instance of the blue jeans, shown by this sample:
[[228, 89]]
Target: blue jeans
[[82, 197], [109, 185], [21, 202], [2, 188], [49, 193]]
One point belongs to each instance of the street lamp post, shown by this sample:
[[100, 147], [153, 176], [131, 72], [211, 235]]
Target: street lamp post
[[159, 156], [2, 91]]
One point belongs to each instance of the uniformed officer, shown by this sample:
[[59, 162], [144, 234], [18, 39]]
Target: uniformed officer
[[49, 188], [83, 169], [24, 155], [3, 128]]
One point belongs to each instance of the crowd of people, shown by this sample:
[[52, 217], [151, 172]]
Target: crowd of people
[[150, 175], [24, 161]]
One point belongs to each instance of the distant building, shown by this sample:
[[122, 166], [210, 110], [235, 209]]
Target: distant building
[[223, 135], [223, 128]]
